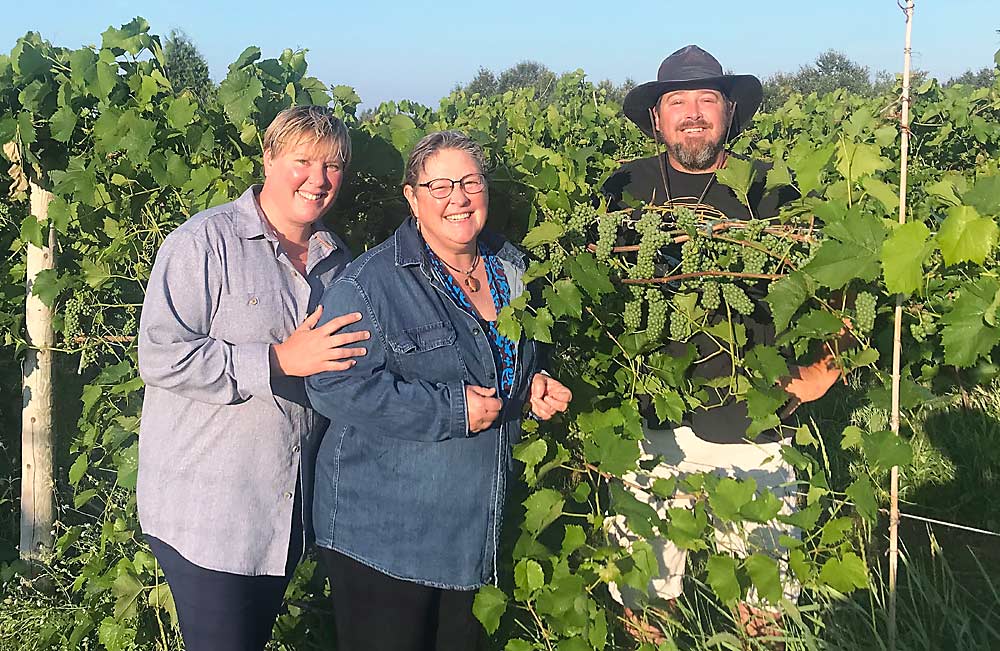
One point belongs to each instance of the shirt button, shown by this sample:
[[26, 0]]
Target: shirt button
[[289, 495], [296, 447], [491, 375], [475, 332], [253, 301]]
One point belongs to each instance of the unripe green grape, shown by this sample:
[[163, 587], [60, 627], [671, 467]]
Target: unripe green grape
[[678, 326], [918, 332], [656, 317], [607, 232], [557, 256]]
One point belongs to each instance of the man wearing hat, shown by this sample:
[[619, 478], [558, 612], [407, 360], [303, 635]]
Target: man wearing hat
[[692, 110]]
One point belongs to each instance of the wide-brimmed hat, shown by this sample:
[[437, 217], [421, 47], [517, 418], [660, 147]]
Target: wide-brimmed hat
[[690, 68]]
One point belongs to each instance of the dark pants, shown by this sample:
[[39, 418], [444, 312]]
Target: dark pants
[[375, 612], [219, 611]]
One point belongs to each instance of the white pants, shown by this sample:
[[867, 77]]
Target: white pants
[[683, 453]]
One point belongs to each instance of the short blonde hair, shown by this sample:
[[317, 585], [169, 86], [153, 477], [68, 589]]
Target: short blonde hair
[[308, 125]]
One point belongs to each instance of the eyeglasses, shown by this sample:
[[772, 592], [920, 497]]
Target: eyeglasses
[[442, 188]]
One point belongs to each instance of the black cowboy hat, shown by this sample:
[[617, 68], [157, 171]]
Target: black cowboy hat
[[690, 68]]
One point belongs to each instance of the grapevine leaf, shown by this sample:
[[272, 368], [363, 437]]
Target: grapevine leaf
[[573, 538], [965, 236], [611, 452], [509, 323], [944, 190], [27, 60], [837, 263], [862, 494], [564, 299], [598, 633], [127, 590], [247, 57], [78, 469], [836, 530], [966, 335], [887, 195], [542, 508], [489, 606], [131, 37], [763, 571], [903, 258], [809, 168], [640, 516], [785, 296], [31, 231], [84, 498], [738, 174], [777, 177], [544, 233], [48, 284], [804, 437], [62, 123], [530, 453], [238, 93], [722, 577], [136, 136], [762, 403], [767, 362], [127, 463], [730, 495], [857, 160], [885, 450], [845, 574], [644, 565], [518, 644], [804, 519], [669, 406], [851, 437], [528, 577], [573, 644], [764, 507], [664, 487], [115, 636], [162, 598], [984, 195], [539, 325], [180, 111], [687, 526]]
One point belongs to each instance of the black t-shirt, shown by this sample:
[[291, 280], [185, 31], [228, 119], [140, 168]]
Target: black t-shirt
[[723, 419]]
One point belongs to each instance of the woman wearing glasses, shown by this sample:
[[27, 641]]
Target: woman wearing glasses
[[412, 473]]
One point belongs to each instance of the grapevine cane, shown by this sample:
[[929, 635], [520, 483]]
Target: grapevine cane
[[904, 118]]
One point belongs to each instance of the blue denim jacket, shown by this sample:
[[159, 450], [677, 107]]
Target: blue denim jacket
[[401, 484]]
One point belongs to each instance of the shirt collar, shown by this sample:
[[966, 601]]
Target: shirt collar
[[251, 222], [410, 246]]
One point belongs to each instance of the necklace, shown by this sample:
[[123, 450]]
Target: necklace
[[470, 282]]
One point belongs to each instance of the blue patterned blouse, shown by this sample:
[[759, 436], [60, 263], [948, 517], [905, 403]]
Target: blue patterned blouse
[[504, 350]]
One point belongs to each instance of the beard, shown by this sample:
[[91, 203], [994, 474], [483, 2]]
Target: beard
[[696, 156]]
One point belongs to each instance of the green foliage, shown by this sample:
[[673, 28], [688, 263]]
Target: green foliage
[[129, 155], [185, 66]]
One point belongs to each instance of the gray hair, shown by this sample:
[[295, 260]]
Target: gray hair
[[432, 143], [308, 125]]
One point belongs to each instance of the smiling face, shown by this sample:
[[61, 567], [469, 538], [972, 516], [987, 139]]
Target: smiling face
[[450, 225], [301, 181], [693, 124]]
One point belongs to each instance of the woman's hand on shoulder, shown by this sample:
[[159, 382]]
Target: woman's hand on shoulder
[[549, 396], [310, 349]]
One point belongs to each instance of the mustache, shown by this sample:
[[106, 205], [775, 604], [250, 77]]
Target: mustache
[[694, 124]]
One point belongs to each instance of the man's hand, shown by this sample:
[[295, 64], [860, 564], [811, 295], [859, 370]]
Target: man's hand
[[548, 396], [482, 407], [808, 383], [309, 350]]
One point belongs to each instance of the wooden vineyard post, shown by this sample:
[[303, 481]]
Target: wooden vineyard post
[[37, 430], [904, 128]]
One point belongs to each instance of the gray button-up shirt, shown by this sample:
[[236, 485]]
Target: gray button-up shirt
[[221, 441]]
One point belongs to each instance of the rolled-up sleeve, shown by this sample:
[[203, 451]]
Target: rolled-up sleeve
[[176, 349], [372, 396]]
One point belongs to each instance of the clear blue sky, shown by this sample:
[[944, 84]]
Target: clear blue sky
[[415, 50]]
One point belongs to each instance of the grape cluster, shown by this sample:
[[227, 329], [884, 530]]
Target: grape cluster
[[679, 326], [656, 313], [653, 239], [754, 228], [71, 316], [864, 312], [754, 260], [557, 256], [711, 297], [918, 332], [633, 315], [607, 232], [691, 256], [687, 221], [581, 219], [737, 299]]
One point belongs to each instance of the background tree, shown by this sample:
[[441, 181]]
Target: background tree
[[982, 78], [186, 67], [831, 71]]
